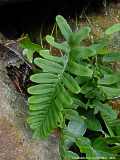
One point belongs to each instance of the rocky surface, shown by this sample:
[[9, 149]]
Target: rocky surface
[[15, 137]]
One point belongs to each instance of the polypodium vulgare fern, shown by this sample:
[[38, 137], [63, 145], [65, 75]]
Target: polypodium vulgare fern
[[55, 85], [72, 92], [51, 94]]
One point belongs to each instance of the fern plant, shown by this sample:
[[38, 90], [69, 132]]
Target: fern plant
[[72, 92]]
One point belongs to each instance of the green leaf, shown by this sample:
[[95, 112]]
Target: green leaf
[[114, 123], [77, 37], [84, 145], [105, 70], [116, 150], [87, 87], [109, 79], [113, 140], [110, 92], [38, 99], [100, 144], [80, 70], [98, 150], [71, 155], [46, 54], [71, 114], [29, 48], [71, 83], [102, 148], [117, 128], [81, 104], [38, 106], [77, 127], [41, 89], [64, 96], [93, 121], [82, 52], [112, 57], [83, 141], [108, 120], [62, 46], [93, 93], [105, 109], [82, 79], [48, 66], [78, 103], [114, 28], [29, 54], [44, 78], [26, 43], [68, 140], [63, 26], [100, 48], [108, 114]]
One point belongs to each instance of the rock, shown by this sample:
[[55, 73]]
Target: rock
[[15, 137]]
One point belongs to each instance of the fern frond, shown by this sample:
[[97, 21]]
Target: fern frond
[[110, 120], [51, 94]]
